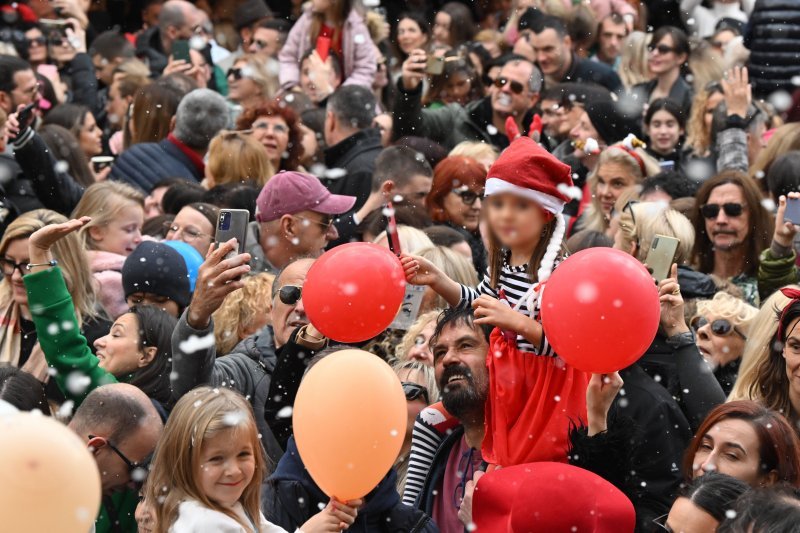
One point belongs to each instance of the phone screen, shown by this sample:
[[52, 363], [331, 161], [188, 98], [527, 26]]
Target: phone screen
[[180, 50], [792, 211]]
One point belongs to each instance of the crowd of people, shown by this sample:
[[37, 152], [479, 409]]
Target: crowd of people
[[483, 142]]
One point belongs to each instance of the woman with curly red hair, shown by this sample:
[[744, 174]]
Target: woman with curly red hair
[[277, 127]]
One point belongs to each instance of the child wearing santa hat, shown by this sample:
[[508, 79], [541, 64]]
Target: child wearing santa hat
[[533, 394]]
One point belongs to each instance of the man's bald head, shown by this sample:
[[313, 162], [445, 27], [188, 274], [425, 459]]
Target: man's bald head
[[116, 411]]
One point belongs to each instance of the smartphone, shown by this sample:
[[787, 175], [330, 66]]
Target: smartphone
[[434, 65], [24, 116], [54, 30], [180, 50], [792, 212], [666, 166], [661, 256], [232, 223]]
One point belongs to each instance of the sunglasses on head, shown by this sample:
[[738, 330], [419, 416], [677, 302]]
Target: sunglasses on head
[[468, 196], [290, 294], [516, 87], [236, 73], [414, 391], [730, 209], [662, 49], [721, 327]]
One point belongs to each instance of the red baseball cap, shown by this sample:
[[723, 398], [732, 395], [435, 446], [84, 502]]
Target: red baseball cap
[[287, 193]]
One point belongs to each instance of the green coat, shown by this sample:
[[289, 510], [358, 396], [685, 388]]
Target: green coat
[[775, 272]]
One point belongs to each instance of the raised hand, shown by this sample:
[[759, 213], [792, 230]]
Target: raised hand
[[669, 294], [600, 394], [216, 278]]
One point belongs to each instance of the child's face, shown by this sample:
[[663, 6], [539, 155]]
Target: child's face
[[227, 464], [516, 221], [123, 234]]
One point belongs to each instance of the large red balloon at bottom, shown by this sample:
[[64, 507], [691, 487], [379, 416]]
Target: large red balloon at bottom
[[353, 292], [600, 310]]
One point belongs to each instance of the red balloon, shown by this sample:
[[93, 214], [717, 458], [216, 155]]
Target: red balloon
[[600, 310], [353, 292]]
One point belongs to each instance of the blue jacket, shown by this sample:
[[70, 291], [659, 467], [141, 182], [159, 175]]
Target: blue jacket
[[145, 164], [290, 497]]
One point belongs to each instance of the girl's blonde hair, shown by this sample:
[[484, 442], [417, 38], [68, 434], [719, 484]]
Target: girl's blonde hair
[[69, 253], [104, 201], [454, 265], [633, 66], [411, 239], [410, 338], [640, 222], [257, 70], [478, 151], [723, 305], [785, 139], [200, 414], [704, 64], [698, 136], [428, 376], [240, 309], [762, 329], [236, 157], [596, 220]]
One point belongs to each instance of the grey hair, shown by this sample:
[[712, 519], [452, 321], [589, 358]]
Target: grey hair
[[201, 115], [353, 105], [110, 410], [171, 14]]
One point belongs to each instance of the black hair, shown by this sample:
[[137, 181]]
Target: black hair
[[353, 105], [529, 19], [433, 151], [675, 184], [680, 41], [64, 146], [775, 509], [22, 390], [665, 104], [111, 45], [181, 194], [233, 196], [399, 164], [69, 116], [419, 18], [462, 23], [282, 26], [715, 493], [549, 22], [122, 414], [10, 65], [461, 314], [155, 331], [444, 235], [154, 227], [783, 176]]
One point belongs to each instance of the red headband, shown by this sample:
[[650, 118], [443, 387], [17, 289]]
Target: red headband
[[634, 155], [794, 295]]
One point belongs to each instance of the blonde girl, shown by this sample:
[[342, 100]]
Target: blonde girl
[[208, 468], [117, 213], [243, 312]]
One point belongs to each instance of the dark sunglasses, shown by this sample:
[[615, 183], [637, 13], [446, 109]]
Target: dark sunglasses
[[8, 267], [133, 466], [721, 327], [516, 87], [662, 49], [38, 41], [290, 294], [712, 210], [414, 391], [468, 196], [236, 73]]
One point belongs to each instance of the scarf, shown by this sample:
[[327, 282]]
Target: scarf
[[11, 342]]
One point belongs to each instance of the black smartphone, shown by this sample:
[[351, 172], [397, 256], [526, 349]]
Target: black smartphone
[[55, 30], [792, 212], [232, 223], [180, 50], [24, 116]]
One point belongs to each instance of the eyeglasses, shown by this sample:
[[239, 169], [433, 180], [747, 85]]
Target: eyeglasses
[[730, 209], [8, 267], [721, 327], [188, 234], [414, 391], [290, 294], [326, 223], [133, 466], [466, 469], [661, 522], [235, 73], [516, 87], [37, 41], [662, 49], [468, 196]]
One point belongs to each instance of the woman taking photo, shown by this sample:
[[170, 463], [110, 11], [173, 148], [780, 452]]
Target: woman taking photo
[[413, 32], [278, 129], [669, 52]]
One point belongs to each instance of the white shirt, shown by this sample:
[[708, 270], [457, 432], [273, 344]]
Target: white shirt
[[193, 517]]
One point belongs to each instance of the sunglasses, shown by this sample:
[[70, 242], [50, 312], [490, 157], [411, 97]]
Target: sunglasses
[[516, 87], [38, 41], [662, 49], [721, 327], [414, 391], [468, 196], [290, 294], [235, 73], [730, 209]]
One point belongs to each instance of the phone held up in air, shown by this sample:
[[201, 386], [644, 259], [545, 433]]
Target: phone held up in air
[[24, 115], [180, 50], [792, 213], [661, 256], [232, 223]]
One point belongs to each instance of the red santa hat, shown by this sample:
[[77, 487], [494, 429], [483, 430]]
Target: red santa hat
[[528, 170], [552, 497]]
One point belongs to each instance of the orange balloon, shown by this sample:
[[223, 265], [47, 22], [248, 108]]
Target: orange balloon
[[349, 422], [48, 479]]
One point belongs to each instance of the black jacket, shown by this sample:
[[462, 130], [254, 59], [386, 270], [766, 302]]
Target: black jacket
[[587, 71], [150, 50], [145, 164], [356, 156], [773, 37], [18, 187], [82, 81], [290, 497], [681, 93]]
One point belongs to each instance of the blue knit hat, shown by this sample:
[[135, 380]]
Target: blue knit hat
[[158, 269]]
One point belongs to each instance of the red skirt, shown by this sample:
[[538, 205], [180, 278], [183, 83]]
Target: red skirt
[[532, 401]]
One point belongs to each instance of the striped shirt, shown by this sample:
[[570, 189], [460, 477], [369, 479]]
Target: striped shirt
[[515, 283]]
